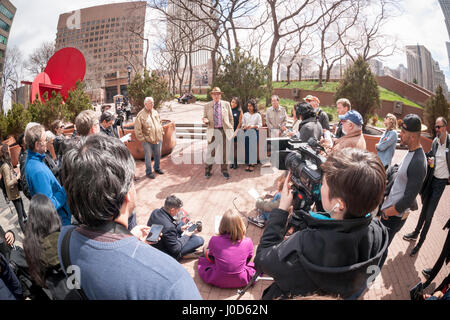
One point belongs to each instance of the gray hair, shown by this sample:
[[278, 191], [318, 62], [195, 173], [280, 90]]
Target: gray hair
[[105, 165], [149, 99], [32, 135]]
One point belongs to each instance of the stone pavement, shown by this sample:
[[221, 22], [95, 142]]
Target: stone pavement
[[206, 199]]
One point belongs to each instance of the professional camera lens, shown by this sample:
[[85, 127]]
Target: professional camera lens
[[294, 163]]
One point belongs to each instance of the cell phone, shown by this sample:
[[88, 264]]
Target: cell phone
[[192, 227], [155, 231]]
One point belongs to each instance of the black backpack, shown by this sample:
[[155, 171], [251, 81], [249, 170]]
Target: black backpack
[[57, 279]]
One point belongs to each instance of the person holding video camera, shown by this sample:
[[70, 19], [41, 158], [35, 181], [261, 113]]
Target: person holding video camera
[[309, 126], [177, 241], [333, 253], [107, 121]]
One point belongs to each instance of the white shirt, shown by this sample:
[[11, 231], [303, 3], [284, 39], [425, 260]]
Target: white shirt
[[252, 120], [440, 162]]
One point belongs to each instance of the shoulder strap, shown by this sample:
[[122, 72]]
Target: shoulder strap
[[65, 255]]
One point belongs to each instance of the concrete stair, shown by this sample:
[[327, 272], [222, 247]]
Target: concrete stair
[[192, 131]]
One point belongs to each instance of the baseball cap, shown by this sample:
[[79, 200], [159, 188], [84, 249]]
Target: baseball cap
[[311, 98], [354, 116], [412, 123]]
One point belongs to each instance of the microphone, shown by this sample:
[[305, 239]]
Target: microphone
[[313, 143]]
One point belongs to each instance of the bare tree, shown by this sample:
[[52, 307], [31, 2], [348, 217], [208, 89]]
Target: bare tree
[[365, 38], [327, 41], [288, 17], [37, 61], [12, 73], [219, 17]]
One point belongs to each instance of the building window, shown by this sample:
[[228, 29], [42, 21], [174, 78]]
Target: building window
[[4, 25], [6, 12]]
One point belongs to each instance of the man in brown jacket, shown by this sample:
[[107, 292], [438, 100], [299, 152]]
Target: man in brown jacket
[[352, 123], [218, 116], [149, 131]]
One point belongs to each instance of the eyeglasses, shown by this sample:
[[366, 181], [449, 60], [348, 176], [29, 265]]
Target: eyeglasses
[[438, 127]]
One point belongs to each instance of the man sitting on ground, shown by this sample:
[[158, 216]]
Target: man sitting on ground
[[114, 264], [176, 241]]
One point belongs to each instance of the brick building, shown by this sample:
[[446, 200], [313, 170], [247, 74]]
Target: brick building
[[111, 40]]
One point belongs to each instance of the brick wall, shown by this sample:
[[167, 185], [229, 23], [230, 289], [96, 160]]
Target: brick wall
[[408, 91]]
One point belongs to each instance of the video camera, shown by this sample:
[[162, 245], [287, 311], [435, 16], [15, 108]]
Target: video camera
[[303, 161]]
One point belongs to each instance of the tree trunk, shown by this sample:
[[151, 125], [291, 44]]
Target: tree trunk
[[191, 72], [328, 74], [278, 71], [300, 67], [320, 74], [288, 73]]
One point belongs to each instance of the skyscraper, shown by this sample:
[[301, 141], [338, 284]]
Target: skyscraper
[[445, 6], [420, 66], [111, 39], [7, 13], [192, 37], [423, 70]]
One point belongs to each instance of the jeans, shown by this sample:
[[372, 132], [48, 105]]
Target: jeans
[[21, 215], [393, 224], [150, 149], [430, 203], [193, 243], [251, 146]]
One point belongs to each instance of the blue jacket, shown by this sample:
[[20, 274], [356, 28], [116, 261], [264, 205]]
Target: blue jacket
[[386, 146], [42, 181]]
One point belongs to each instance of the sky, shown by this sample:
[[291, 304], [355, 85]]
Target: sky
[[421, 22]]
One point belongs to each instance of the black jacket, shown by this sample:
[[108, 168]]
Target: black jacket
[[430, 171], [310, 128], [332, 257], [171, 241]]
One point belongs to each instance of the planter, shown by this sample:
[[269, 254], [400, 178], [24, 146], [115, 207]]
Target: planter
[[10, 141], [426, 143], [371, 141], [14, 151], [69, 131], [137, 150]]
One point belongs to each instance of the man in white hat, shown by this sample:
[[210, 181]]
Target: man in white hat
[[218, 116]]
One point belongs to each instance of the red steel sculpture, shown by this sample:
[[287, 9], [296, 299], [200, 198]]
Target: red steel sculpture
[[61, 74]]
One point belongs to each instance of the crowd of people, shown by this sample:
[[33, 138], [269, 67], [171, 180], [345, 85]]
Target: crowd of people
[[83, 201]]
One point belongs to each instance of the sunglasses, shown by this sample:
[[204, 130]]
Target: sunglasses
[[438, 127]]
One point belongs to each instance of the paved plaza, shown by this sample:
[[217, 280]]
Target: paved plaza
[[206, 199]]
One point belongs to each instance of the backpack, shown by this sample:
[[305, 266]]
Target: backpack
[[57, 280]]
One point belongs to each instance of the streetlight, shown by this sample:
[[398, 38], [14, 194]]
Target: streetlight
[[129, 74]]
